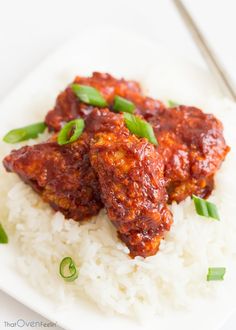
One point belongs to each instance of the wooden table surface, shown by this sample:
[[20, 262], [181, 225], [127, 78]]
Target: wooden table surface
[[30, 30]]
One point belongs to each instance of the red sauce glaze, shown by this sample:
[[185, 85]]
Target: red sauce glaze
[[193, 147], [62, 175], [127, 175], [192, 152], [108, 166], [69, 107], [131, 177]]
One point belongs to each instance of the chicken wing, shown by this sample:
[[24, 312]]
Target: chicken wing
[[69, 107], [130, 172], [62, 175], [192, 152], [193, 147]]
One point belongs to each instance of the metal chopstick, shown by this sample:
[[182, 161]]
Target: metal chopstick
[[213, 63]]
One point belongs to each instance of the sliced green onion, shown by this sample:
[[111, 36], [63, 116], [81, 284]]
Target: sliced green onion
[[140, 127], [3, 235], [24, 133], [205, 208], [71, 131], [68, 269], [172, 104], [89, 95], [216, 274], [123, 105]]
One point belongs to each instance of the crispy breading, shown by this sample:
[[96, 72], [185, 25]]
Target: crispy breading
[[130, 172], [110, 166], [62, 175], [193, 147], [69, 107], [126, 173], [191, 142]]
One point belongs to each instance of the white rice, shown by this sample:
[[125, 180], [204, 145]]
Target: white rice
[[171, 279]]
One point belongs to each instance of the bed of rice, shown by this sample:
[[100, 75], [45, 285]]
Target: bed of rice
[[173, 278]]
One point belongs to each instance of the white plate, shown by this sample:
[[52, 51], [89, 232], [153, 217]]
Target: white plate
[[121, 54]]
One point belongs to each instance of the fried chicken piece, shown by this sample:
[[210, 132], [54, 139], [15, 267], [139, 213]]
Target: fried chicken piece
[[192, 151], [130, 172], [191, 143], [62, 175], [193, 147], [69, 107]]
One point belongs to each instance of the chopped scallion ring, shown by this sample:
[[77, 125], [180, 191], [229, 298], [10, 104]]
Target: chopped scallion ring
[[140, 127], [24, 133], [71, 131], [3, 235], [216, 274], [123, 105], [205, 208], [172, 104], [89, 95], [68, 269]]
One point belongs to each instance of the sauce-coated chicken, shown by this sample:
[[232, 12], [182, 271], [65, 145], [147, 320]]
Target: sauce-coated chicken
[[62, 175], [130, 172], [192, 151], [130, 179], [108, 166], [193, 147], [69, 107]]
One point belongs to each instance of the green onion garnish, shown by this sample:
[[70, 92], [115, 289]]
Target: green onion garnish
[[172, 104], [3, 236], [89, 95], [216, 274], [68, 269], [140, 127], [205, 208], [71, 131], [123, 105], [24, 133]]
